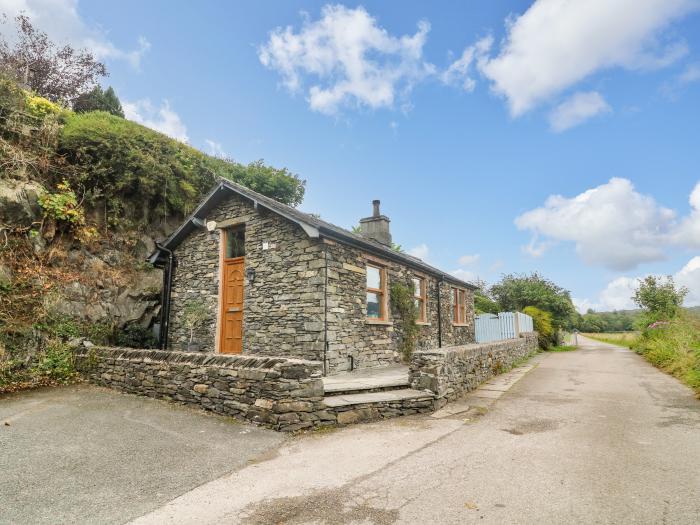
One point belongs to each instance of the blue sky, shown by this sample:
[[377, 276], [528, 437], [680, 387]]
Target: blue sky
[[462, 117]]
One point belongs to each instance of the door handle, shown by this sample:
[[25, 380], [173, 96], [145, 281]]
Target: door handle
[[232, 310]]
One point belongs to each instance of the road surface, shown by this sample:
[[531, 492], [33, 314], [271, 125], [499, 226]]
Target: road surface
[[591, 436]]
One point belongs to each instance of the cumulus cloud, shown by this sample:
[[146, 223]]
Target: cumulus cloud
[[465, 275], [421, 251], [555, 44], [612, 225], [62, 22], [577, 109], [459, 72], [163, 118], [618, 293], [688, 233], [348, 60]]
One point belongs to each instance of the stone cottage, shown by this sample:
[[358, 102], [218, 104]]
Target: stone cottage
[[247, 274]]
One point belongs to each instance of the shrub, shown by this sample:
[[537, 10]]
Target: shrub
[[403, 300], [40, 107], [62, 206], [542, 322], [126, 164], [135, 336], [56, 362]]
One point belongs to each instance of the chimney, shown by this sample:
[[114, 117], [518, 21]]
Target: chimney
[[376, 227]]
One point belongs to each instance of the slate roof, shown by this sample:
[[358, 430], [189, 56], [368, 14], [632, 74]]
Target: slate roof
[[312, 225]]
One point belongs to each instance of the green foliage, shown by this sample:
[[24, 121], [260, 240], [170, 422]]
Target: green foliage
[[56, 362], [122, 164], [619, 321], [562, 348], [40, 107], [660, 298], [194, 314], [135, 336], [542, 323], [62, 206], [674, 346], [402, 300], [98, 100], [515, 292]]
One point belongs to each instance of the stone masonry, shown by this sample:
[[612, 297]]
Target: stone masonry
[[307, 299], [449, 372]]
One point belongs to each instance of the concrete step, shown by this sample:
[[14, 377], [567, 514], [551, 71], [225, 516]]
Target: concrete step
[[389, 396]]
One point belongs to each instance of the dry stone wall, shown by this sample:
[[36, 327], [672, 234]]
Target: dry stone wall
[[449, 372]]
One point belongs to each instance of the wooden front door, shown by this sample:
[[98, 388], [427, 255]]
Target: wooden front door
[[231, 339]]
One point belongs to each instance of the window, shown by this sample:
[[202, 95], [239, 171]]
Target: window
[[459, 306], [234, 239], [376, 293], [419, 298]]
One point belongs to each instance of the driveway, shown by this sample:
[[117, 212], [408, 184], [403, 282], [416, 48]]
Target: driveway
[[84, 454], [592, 436]]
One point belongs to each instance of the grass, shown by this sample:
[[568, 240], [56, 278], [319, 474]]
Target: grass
[[673, 347], [627, 339], [562, 348]]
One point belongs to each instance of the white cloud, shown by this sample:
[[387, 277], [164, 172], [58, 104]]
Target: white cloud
[[612, 225], [465, 275], [421, 251], [353, 60], [575, 110], [536, 248], [162, 119], [689, 276], [690, 74], [62, 22], [617, 295], [467, 260], [215, 148], [459, 72], [688, 233], [556, 44]]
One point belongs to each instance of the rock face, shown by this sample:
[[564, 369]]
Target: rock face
[[19, 202]]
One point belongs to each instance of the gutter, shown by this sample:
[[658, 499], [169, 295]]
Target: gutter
[[439, 305]]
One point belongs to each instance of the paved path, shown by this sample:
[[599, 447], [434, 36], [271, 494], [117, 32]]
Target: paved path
[[591, 436], [84, 454]]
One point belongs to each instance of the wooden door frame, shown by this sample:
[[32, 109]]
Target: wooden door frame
[[220, 313]]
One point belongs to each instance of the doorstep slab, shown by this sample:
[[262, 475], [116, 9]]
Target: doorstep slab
[[375, 397]]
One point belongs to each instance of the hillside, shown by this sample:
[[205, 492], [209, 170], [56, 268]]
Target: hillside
[[83, 197]]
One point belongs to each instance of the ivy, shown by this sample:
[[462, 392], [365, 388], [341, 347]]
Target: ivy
[[402, 300]]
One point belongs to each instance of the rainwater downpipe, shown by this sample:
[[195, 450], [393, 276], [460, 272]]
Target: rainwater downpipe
[[165, 297], [325, 310], [439, 305]]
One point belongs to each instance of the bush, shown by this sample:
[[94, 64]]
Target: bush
[[56, 362], [542, 322], [127, 164], [40, 107], [135, 336]]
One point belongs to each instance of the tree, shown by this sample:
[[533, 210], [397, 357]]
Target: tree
[[98, 100], [659, 297], [483, 303], [542, 323], [60, 74], [518, 291]]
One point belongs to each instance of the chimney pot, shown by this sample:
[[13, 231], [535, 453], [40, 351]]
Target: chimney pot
[[375, 208]]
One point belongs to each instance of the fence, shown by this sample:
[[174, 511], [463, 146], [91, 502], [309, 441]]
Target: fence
[[505, 325]]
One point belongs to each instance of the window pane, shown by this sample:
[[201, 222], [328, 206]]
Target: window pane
[[373, 277], [417, 287], [374, 308], [235, 242]]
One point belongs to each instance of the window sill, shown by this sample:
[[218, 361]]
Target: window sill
[[379, 322], [422, 323], [460, 325]]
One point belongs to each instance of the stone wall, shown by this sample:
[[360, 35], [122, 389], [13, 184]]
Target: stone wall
[[305, 292], [371, 345], [283, 306], [451, 371], [285, 394]]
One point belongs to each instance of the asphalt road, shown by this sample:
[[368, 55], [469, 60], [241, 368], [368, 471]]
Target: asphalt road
[[591, 436], [83, 454]]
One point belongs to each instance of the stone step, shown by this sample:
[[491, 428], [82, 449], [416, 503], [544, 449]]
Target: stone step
[[379, 398], [356, 387]]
